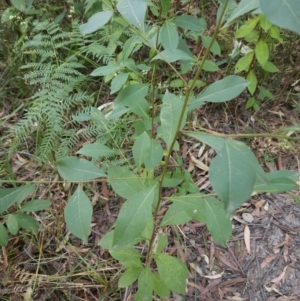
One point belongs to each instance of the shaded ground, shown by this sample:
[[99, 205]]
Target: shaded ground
[[56, 266]]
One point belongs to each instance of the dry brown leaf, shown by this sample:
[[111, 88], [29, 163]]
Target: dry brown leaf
[[247, 239], [267, 260], [199, 163], [280, 277], [260, 203], [230, 264], [179, 249]]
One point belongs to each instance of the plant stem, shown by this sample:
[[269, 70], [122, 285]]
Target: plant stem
[[186, 100]]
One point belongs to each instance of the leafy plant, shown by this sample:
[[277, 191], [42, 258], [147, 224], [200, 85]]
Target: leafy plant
[[159, 104], [234, 173], [258, 34], [20, 219]]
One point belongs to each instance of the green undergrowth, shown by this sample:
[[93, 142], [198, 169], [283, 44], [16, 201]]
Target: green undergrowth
[[153, 65]]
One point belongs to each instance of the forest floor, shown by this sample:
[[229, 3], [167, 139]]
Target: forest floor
[[261, 261]]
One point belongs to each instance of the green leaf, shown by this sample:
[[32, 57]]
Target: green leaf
[[232, 174], [215, 49], [172, 180], [274, 32], [290, 174], [173, 272], [193, 205], [10, 196], [283, 13], [128, 257], [220, 91], [160, 288], [175, 216], [104, 70], [189, 22], [125, 182], [130, 46], [133, 96], [131, 93], [145, 284], [96, 150], [262, 52], [118, 82], [278, 181], [215, 142], [172, 55], [78, 214], [162, 242], [75, 169], [244, 7], [248, 26], [147, 151], [252, 102], [264, 93], [165, 4], [26, 221], [106, 241], [210, 66], [244, 63], [134, 11], [134, 216], [169, 117], [21, 5], [277, 185], [7, 14], [218, 222], [12, 224], [36, 205], [264, 23], [129, 276], [169, 36], [251, 78], [95, 22], [3, 236], [270, 67]]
